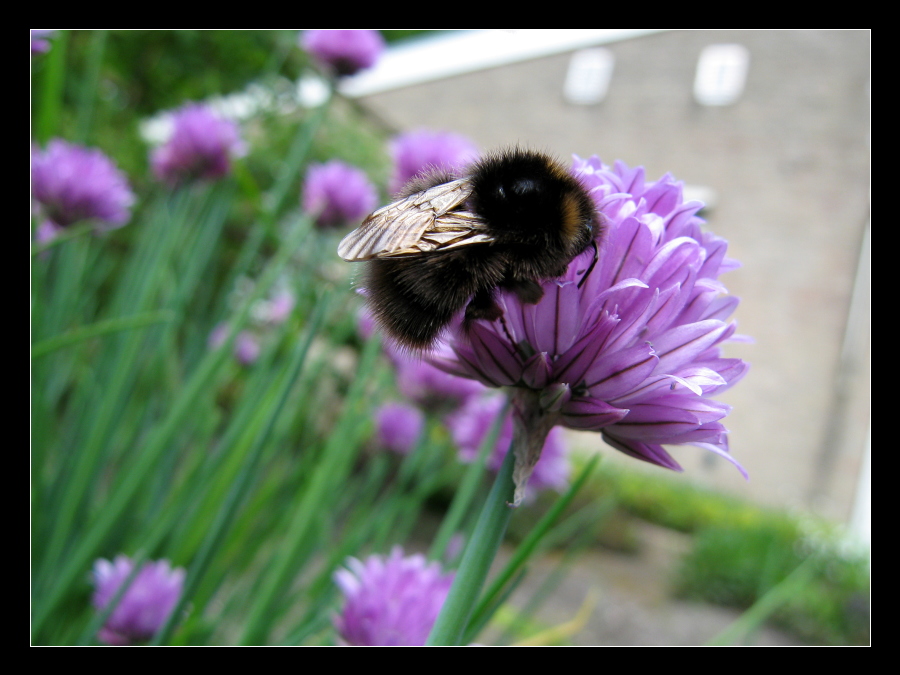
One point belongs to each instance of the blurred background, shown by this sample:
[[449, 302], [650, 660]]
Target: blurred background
[[770, 129]]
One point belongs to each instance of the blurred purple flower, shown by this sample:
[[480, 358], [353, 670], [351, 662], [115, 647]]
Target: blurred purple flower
[[390, 601], [335, 193], [276, 309], [217, 336], [399, 426], [365, 323], [46, 231], [71, 183], [201, 146], [344, 52], [279, 308], [430, 387], [147, 603], [630, 349], [40, 45], [419, 151], [471, 423], [246, 346]]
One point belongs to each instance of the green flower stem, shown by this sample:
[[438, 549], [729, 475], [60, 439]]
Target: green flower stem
[[129, 484], [79, 335], [87, 93], [51, 89], [272, 202], [65, 235], [777, 596], [226, 515], [466, 492], [476, 562], [504, 581], [332, 469]]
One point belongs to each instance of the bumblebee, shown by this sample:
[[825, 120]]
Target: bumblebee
[[450, 242]]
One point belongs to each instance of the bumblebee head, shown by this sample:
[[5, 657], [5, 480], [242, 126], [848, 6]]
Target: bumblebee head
[[529, 198]]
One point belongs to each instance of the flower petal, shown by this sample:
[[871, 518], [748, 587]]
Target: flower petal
[[590, 413]]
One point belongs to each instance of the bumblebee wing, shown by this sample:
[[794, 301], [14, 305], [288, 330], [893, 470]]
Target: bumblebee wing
[[451, 230], [419, 223]]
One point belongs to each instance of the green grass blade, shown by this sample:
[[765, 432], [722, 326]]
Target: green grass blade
[[477, 559], [106, 327]]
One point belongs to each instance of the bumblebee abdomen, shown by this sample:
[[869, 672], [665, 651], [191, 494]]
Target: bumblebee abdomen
[[415, 297]]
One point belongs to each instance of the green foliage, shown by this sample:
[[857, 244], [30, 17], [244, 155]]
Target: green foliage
[[741, 551], [737, 566]]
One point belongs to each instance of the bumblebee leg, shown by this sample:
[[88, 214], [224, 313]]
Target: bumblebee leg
[[482, 306], [528, 290]]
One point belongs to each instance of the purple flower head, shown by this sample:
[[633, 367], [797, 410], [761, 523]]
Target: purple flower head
[[71, 183], [390, 601], [629, 347], [472, 422], [344, 52], [217, 336], [276, 309], [419, 151], [201, 146], [246, 345], [39, 43], [147, 603], [336, 193], [399, 426]]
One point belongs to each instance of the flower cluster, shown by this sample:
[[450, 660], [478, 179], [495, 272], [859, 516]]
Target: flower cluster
[[144, 607], [390, 601], [343, 52], [71, 183], [629, 344], [202, 146], [417, 152], [335, 193]]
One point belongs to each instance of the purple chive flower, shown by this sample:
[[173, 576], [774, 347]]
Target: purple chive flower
[[472, 422], [278, 308], [246, 347], [629, 347], [399, 426], [147, 603], [344, 52], [201, 146], [419, 151], [390, 601], [40, 45], [71, 183], [336, 193]]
